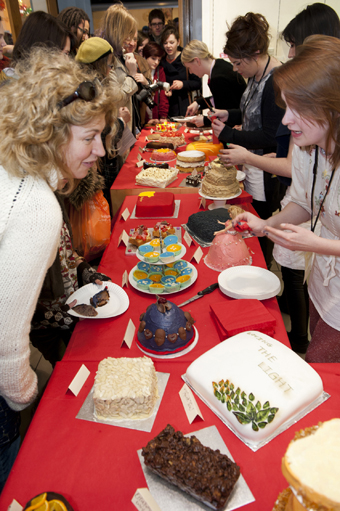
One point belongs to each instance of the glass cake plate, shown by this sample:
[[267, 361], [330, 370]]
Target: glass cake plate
[[219, 202]]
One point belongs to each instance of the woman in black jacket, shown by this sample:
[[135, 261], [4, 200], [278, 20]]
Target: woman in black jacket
[[225, 84], [181, 81]]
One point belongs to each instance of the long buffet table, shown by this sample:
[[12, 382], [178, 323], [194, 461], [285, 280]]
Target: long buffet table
[[125, 183], [96, 466]]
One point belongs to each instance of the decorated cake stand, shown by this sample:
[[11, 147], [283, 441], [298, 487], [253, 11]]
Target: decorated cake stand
[[219, 202]]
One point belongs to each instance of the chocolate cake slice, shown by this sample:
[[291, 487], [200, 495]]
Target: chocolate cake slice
[[203, 473]]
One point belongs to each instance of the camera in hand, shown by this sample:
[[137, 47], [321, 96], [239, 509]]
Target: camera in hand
[[146, 94]]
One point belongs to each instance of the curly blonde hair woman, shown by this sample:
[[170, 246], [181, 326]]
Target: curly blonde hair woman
[[51, 124]]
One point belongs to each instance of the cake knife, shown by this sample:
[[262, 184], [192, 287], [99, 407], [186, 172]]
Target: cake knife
[[205, 291]]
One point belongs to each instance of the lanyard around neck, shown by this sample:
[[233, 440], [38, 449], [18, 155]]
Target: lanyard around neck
[[248, 100], [315, 171]]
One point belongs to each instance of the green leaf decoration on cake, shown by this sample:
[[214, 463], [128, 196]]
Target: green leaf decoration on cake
[[246, 408]]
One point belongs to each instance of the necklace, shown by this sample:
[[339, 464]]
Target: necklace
[[248, 99], [315, 171]]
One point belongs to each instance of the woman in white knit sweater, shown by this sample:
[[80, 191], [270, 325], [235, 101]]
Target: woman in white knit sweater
[[50, 133]]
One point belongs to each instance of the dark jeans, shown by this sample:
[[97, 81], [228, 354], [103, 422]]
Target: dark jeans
[[296, 294], [263, 209]]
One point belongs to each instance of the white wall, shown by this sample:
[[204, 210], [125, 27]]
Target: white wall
[[217, 13]]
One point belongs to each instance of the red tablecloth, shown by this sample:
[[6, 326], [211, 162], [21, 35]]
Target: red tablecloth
[[96, 466], [125, 183]]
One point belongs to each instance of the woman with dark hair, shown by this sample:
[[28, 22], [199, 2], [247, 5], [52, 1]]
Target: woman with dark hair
[[41, 28], [142, 40], [247, 47], [182, 82], [153, 54], [77, 21], [309, 87], [317, 18]]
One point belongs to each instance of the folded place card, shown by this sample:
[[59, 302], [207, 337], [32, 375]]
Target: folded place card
[[189, 402], [126, 213], [125, 279], [124, 237], [187, 238], [197, 255], [129, 334], [79, 380], [144, 501]]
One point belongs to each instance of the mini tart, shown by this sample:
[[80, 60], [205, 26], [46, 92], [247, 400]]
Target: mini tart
[[180, 265], [172, 287], [155, 269], [143, 266], [183, 280], [171, 272], [155, 277], [144, 284], [163, 228], [187, 271], [155, 243], [168, 279], [175, 249], [139, 274], [144, 249], [170, 239], [166, 257], [151, 257], [140, 236], [156, 288]]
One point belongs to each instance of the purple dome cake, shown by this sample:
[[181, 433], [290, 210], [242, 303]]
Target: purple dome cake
[[165, 329]]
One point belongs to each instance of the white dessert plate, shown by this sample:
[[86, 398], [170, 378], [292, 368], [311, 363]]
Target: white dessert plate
[[249, 282], [174, 355], [240, 176], [133, 282], [118, 303], [176, 258]]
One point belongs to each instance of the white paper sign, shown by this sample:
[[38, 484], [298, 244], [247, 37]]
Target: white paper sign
[[197, 255], [139, 157], [187, 238], [124, 237], [125, 215], [140, 149], [125, 279], [15, 506], [203, 203], [79, 380], [139, 163], [186, 130], [189, 402], [144, 501], [129, 334]]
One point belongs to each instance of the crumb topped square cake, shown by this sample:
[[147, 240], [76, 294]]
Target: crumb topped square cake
[[125, 388]]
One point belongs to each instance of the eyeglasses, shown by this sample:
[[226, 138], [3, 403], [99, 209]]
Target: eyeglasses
[[157, 24], [84, 31], [85, 91]]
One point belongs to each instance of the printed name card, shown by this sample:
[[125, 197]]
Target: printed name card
[[186, 130], [187, 238], [79, 380], [144, 501], [125, 279], [189, 402], [203, 203], [15, 506], [139, 163], [129, 334], [140, 149], [124, 237], [125, 215], [197, 255]]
